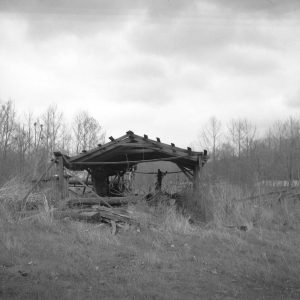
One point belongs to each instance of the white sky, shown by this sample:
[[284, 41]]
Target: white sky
[[160, 67]]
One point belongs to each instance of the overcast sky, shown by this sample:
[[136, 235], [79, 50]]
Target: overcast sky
[[160, 67]]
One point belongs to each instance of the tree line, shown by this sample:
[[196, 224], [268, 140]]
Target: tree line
[[239, 154], [27, 142]]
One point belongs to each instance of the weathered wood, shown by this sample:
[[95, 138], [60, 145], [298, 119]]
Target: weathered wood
[[76, 182], [110, 152], [61, 182], [198, 191], [110, 214], [87, 187], [113, 149], [125, 162], [100, 214], [100, 181], [186, 172], [78, 214], [101, 201]]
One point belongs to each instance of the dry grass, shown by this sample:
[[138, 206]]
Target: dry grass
[[168, 258]]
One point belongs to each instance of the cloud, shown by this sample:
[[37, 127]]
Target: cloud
[[248, 61], [50, 17], [266, 8], [143, 68], [97, 7], [152, 62], [293, 100]]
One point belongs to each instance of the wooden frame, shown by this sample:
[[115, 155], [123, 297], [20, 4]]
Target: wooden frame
[[128, 150]]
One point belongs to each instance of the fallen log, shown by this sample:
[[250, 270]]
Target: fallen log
[[101, 201]]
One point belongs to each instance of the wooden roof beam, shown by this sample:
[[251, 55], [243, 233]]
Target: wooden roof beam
[[130, 132]]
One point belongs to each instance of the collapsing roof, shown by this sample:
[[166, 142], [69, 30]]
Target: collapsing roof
[[120, 155], [130, 149]]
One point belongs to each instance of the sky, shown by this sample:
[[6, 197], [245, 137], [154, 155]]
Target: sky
[[159, 67]]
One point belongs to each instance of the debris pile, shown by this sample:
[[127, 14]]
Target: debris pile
[[93, 210]]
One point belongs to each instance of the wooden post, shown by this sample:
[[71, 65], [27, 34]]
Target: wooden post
[[61, 179], [196, 175], [100, 181], [198, 188]]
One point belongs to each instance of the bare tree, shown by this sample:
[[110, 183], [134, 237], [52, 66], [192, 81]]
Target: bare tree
[[210, 137], [87, 132], [65, 139], [52, 120], [7, 126]]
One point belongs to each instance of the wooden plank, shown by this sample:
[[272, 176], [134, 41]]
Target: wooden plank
[[101, 201], [99, 214], [103, 163], [109, 214], [79, 214], [108, 146], [96, 149]]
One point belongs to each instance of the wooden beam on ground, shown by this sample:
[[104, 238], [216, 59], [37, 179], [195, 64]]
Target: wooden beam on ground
[[98, 214], [100, 201], [78, 214]]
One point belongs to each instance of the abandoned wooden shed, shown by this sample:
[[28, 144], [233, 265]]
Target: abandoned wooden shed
[[120, 155]]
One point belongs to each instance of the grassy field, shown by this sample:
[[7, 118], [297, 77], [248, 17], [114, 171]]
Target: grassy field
[[171, 256]]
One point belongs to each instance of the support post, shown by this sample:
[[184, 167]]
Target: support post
[[196, 178], [198, 187], [61, 179], [100, 181]]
